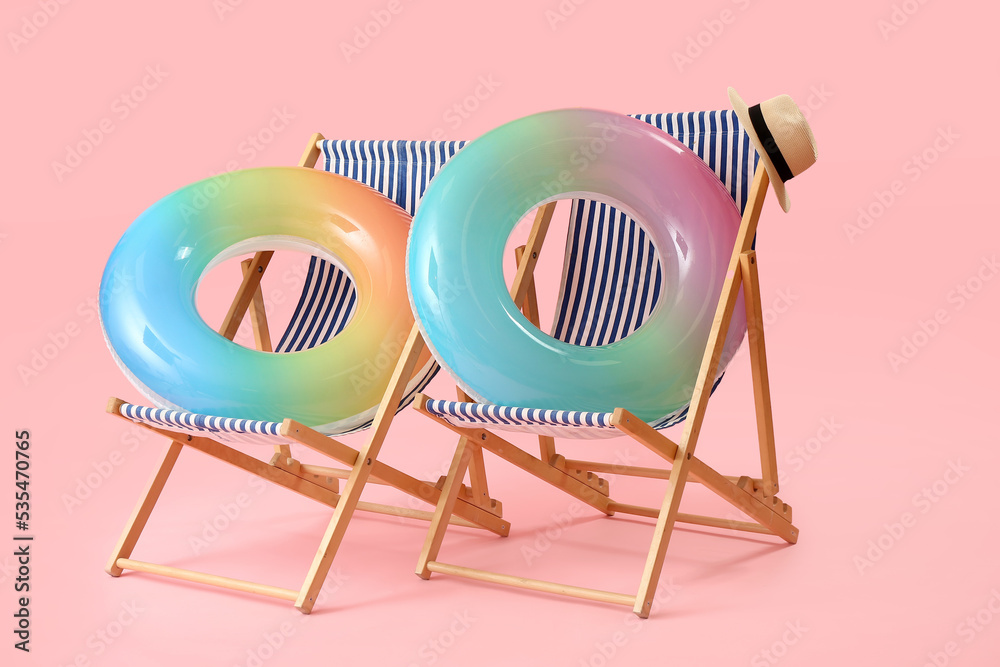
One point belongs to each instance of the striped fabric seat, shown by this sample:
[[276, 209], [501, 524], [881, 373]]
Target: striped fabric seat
[[611, 273], [225, 429], [557, 423]]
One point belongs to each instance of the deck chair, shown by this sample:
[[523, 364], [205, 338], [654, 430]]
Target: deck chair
[[598, 305], [401, 171]]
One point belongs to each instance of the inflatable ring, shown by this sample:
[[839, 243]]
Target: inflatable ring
[[455, 273], [154, 331]]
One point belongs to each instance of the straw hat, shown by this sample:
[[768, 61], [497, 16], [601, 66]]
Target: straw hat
[[782, 137]]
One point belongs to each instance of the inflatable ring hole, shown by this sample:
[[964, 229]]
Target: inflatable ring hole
[[290, 270], [618, 301]]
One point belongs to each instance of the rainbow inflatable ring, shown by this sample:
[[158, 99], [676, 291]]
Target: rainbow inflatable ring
[[471, 207], [161, 343]]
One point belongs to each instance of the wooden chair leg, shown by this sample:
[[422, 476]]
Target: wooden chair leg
[[136, 523], [714, 349], [661, 539], [359, 473], [446, 505], [758, 367], [477, 472]]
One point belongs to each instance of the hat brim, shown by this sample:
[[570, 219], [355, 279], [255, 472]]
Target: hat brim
[[742, 112]]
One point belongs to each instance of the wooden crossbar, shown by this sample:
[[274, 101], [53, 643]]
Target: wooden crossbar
[[210, 579], [532, 584]]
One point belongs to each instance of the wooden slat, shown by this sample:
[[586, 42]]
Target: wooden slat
[[244, 295], [258, 316], [407, 513], [312, 151], [758, 369], [698, 519], [209, 579], [445, 506], [478, 484], [523, 279], [598, 484], [532, 584], [633, 471]]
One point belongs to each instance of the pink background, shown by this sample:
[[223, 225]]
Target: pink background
[[861, 434]]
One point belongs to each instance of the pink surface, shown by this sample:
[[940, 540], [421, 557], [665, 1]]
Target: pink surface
[[881, 286]]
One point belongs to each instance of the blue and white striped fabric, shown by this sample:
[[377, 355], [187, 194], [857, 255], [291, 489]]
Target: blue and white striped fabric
[[325, 307], [401, 170], [224, 429], [558, 423], [611, 272]]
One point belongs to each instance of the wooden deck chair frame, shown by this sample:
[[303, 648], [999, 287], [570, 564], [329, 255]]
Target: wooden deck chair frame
[[475, 509], [754, 496]]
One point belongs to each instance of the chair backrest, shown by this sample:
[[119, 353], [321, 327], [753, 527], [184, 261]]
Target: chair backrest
[[611, 273]]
